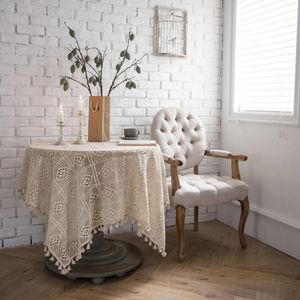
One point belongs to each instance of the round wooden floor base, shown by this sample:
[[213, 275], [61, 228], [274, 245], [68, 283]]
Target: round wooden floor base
[[106, 258]]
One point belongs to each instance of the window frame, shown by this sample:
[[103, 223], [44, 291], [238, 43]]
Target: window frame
[[229, 70]]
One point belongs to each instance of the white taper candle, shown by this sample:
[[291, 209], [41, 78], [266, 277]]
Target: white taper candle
[[80, 104], [61, 114]]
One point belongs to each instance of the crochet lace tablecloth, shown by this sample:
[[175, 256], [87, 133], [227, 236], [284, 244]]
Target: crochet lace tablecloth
[[88, 188]]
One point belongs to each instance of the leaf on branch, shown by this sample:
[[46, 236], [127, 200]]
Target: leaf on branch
[[87, 58], [66, 86], [128, 84], [72, 69], [63, 80], [74, 51], [127, 55], [91, 79], [70, 55], [94, 82], [77, 64], [83, 69], [118, 67], [138, 69], [98, 61], [131, 36], [123, 53], [71, 33]]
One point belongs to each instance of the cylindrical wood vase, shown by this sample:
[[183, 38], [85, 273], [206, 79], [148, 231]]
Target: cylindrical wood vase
[[99, 119]]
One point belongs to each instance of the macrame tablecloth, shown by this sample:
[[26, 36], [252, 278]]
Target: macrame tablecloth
[[85, 188]]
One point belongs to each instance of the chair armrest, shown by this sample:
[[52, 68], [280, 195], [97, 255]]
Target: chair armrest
[[174, 164], [172, 161], [225, 154], [235, 171]]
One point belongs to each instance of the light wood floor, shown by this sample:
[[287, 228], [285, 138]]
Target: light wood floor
[[215, 268]]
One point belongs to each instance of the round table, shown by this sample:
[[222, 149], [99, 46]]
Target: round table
[[91, 188]]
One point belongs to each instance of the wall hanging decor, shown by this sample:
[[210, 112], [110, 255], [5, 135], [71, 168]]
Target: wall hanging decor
[[170, 31], [88, 63]]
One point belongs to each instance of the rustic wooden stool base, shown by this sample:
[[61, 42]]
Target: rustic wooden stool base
[[106, 258]]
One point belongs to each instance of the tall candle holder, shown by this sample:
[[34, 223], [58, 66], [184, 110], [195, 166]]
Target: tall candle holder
[[80, 137], [61, 140]]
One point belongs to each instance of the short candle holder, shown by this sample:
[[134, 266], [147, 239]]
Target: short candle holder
[[61, 140], [80, 137]]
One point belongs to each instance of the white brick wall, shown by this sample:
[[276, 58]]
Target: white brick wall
[[33, 49]]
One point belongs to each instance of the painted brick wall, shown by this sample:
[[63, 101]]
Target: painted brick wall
[[33, 49]]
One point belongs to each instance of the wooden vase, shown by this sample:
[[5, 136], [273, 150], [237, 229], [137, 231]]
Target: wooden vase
[[99, 118]]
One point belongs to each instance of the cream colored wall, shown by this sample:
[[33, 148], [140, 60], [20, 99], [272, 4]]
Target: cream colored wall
[[272, 170]]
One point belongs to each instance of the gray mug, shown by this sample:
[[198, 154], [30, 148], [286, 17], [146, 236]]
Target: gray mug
[[131, 132]]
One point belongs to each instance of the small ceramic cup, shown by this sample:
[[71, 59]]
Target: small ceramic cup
[[131, 132]]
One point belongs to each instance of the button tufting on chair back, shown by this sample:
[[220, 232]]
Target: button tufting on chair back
[[180, 134]]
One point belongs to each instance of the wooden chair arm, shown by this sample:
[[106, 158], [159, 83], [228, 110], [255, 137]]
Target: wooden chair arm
[[174, 164], [172, 161], [235, 170], [225, 154]]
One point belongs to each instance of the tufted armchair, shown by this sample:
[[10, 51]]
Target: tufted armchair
[[181, 136]]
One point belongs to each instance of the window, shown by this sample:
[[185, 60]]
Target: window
[[264, 60]]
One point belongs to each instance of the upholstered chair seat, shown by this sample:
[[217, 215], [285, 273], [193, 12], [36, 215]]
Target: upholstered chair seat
[[207, 190], [181, 136]]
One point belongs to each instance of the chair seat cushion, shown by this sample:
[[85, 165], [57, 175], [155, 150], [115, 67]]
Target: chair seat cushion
[[205, 190]]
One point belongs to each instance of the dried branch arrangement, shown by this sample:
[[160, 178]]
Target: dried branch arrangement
[[92, 69]]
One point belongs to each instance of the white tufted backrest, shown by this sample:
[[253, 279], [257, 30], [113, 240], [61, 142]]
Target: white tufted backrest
[[180, 134]]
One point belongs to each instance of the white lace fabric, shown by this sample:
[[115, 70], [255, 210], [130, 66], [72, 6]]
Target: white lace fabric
[[86, 188]]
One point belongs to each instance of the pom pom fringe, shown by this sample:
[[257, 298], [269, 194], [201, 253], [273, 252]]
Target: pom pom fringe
[[108, 228], [151, 243]]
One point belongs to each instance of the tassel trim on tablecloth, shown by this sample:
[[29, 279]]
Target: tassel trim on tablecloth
[[64, 269], [152, 244], [109, 228]]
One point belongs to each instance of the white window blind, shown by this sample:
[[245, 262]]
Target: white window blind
[[265, 56]]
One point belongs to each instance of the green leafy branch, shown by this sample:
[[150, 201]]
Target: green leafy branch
[[92, 69]]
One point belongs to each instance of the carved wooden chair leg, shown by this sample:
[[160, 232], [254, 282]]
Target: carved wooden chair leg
[[243, 219], [196, 213], [180, 215]]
